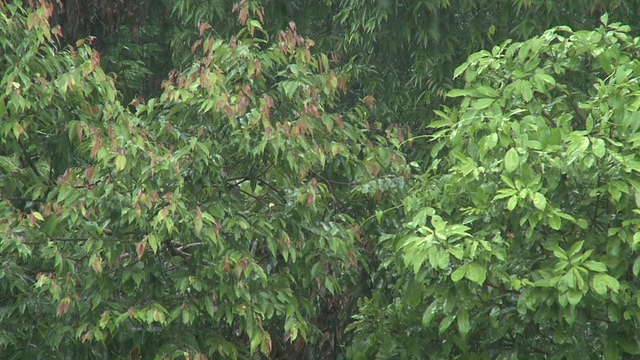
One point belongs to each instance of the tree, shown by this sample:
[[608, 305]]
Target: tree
[[196, 179], [402, 52], [405, 51], [522, 240], [214, 220]]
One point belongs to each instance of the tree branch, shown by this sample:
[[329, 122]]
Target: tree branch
[[28, 159]]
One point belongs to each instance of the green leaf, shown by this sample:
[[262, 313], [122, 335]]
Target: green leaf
[[481, 103], [505, 193], [429, 314], [611, 350], [574, 296], [208, 305], [443, 259], [153, 242], [457, 252], [458, 93], [555, 222], [512, 203], [539, 201], [602, 282], [546, 78], [379, 215], [547, 282], [511, 160], [440, 123], [121, 162], [445, 323], [328, 283], [636, 267], [459, 273], [595, 266], [629, 344], [488, 91], [476, 273], [255, 23], [598, 146], [527, 91], [256, 340], [559, 252], [460, 69], [463, 323], [290, 88], [636, 241], [492, 141], [582, 223], [575, 249]]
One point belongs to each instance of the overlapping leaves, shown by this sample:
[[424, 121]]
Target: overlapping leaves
[[526, 226], [215, 219]]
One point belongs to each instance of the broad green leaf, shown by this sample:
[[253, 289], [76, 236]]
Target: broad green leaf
[[208, 305], [463, 323], [457, 252], [488, 91], [328, 283], [559, 252], [582, 223], [290, 88], [505, 193], [153, 242], [121, 162], [439, 123], [567, 282], [459, 273], [611, 350], [549, 282], [602, 282], [445, 323], [511, 160], [574, 296], [539, 201], [598, 147], [429, 314], [629, 344], [443, 259], [595, 266], [256, 340], [480, 104], [527, 91], [458, 92], [547, 78], [555, 222], [379, 215], [492, 141], [476, 273], [636, 241], [460, 69], [636, 267]]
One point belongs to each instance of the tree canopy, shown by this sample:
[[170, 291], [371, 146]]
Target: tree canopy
[[319, 179]]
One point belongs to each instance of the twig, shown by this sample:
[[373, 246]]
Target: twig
[[28, 159], [284, 200]]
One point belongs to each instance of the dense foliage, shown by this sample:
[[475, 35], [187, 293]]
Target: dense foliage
[[523, 238], [226, 203], [206, 179]]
